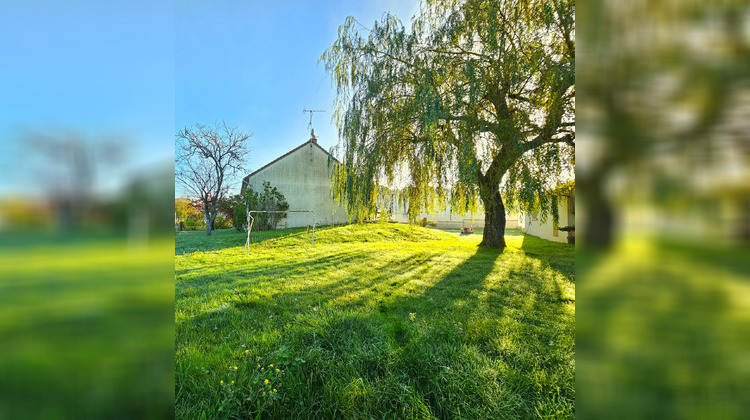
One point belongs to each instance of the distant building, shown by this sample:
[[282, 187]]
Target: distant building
[[448, 218], [303, 176]]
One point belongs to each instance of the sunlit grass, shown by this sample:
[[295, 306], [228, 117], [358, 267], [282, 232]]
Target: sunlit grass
[[383, 321], [664, 331]]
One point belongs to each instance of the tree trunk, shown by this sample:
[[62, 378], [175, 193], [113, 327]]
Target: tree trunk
[[494, 220], [599, 223], [209, 223]]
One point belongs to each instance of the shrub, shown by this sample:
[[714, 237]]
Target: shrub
[[424, 222], [270, 199], [222, 222], [188, 217], [193, 224]]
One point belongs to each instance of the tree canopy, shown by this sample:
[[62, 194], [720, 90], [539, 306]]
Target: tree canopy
[[474, 95]]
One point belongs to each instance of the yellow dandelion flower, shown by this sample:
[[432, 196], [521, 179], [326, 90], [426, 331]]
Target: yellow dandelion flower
[[235, 368], [258, 365], [262, 368], [232, 381], [271, 365], [221, 382], [277, 370], [274, 390], [266, 381], [247, 351]]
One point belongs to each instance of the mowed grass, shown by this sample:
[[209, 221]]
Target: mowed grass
[[374, 321]]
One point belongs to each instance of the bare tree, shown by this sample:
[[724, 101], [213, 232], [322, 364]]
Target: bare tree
[[68, 166], [207, 160]]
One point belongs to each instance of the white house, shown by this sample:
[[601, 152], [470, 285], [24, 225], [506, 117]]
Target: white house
[[532, 224], [303, 176]]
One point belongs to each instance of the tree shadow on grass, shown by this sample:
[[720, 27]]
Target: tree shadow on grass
[[461, 291], [559, 256], [455, 286], [491, 284], [187, 242], [361, 328], [502, 308], [240, 273], [267, 287]]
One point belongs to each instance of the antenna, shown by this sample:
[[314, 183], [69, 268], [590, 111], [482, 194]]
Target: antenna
[[312, 133]]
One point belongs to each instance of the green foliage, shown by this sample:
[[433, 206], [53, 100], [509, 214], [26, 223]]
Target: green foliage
[[566, 189], [476, 91], [268, 199], [182, 208], [378, 320], [239, 210], [424, 222], [187, 216], [193, 224], [222, 222]]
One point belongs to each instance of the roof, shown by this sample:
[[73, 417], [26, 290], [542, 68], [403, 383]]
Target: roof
[[311, 141]]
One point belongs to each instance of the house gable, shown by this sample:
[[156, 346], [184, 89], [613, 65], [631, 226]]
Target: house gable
[[303, 176]]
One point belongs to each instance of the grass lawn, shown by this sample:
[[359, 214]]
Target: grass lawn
[[663, 330], [376, 321]]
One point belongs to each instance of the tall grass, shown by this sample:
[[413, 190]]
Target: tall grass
[[375, 321]]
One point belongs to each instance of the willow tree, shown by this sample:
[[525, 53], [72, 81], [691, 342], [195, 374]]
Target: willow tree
[[475, 100]]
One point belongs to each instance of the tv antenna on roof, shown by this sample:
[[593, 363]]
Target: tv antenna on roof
[[312, 133]]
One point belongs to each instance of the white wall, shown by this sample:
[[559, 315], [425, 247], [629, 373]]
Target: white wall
[[304, 178], [447, 219], [545, 230]]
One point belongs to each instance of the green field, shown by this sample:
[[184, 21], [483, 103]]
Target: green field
[[375, 321]]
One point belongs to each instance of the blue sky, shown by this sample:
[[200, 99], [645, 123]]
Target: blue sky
[[141, 70], [255, 65], [96, 69]]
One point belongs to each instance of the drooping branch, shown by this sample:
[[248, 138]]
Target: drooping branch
[[541, 140], [472, 80]]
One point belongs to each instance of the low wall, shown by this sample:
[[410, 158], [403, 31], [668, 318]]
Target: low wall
[[456, 224]]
